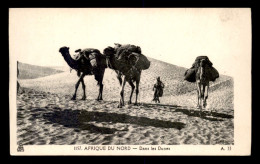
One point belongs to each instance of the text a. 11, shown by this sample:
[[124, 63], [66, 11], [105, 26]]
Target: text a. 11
[[226, 148]]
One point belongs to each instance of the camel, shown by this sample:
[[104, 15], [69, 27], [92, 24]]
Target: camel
[[126, 72], [83, 66], [202, 82]]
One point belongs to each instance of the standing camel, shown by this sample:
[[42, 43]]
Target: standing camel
[[202, 82], [91, 62], [127, 71]]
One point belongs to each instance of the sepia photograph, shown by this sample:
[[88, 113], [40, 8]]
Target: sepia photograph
[[130, 81]]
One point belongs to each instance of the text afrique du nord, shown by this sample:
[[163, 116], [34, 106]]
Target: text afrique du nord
[[119, 148], [102, 148]]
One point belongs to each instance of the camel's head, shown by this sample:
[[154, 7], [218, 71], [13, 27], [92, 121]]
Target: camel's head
[[109, 51], [64, 50]]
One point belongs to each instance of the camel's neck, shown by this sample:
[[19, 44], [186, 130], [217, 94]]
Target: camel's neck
[[201, 72], [71, 62], [112, 63]]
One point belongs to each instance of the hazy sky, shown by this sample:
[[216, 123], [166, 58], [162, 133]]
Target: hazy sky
[[176, 36]]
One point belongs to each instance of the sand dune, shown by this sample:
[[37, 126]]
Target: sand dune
[[28, 71], [46, 118], [46, 115], [172, 76]]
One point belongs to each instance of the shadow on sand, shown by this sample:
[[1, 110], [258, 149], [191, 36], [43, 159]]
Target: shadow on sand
[[193, 113], [79, 119], [205, 115], [149, 105]]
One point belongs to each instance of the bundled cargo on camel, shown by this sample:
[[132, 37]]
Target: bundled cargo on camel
[[88, 62], [91, 57], [190, 74], [128, 63], [129, 57]]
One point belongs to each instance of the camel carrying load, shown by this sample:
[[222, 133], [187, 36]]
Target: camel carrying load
[[89, 54], [128, 63], [88, 62], [190, 74], [129, 56]]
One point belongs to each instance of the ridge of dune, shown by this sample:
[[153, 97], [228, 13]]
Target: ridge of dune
[[29, 71], [46, 115], [177, 91]]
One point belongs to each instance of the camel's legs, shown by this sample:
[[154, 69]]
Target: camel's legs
[[121, 103], [100, 91], [77, 85], [101, 86], [118, 75], [100, 83], [132, 90], [137, 90], [84, 91], [199, 94], [206, 89], [203, 91]]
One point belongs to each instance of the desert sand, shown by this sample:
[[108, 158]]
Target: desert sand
[[46, 115]]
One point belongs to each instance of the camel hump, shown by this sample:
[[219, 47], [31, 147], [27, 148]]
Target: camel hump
[[132, 48], [199, 58], [127, 48], [132, 55], [202, 57], [94, 57], [90, 50], [196, 63], [78, 50], [190, 74]]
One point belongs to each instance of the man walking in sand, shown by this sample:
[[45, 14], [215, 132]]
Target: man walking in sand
[[158, 87]]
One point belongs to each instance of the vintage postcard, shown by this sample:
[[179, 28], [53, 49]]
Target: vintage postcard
[[130, 81]]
